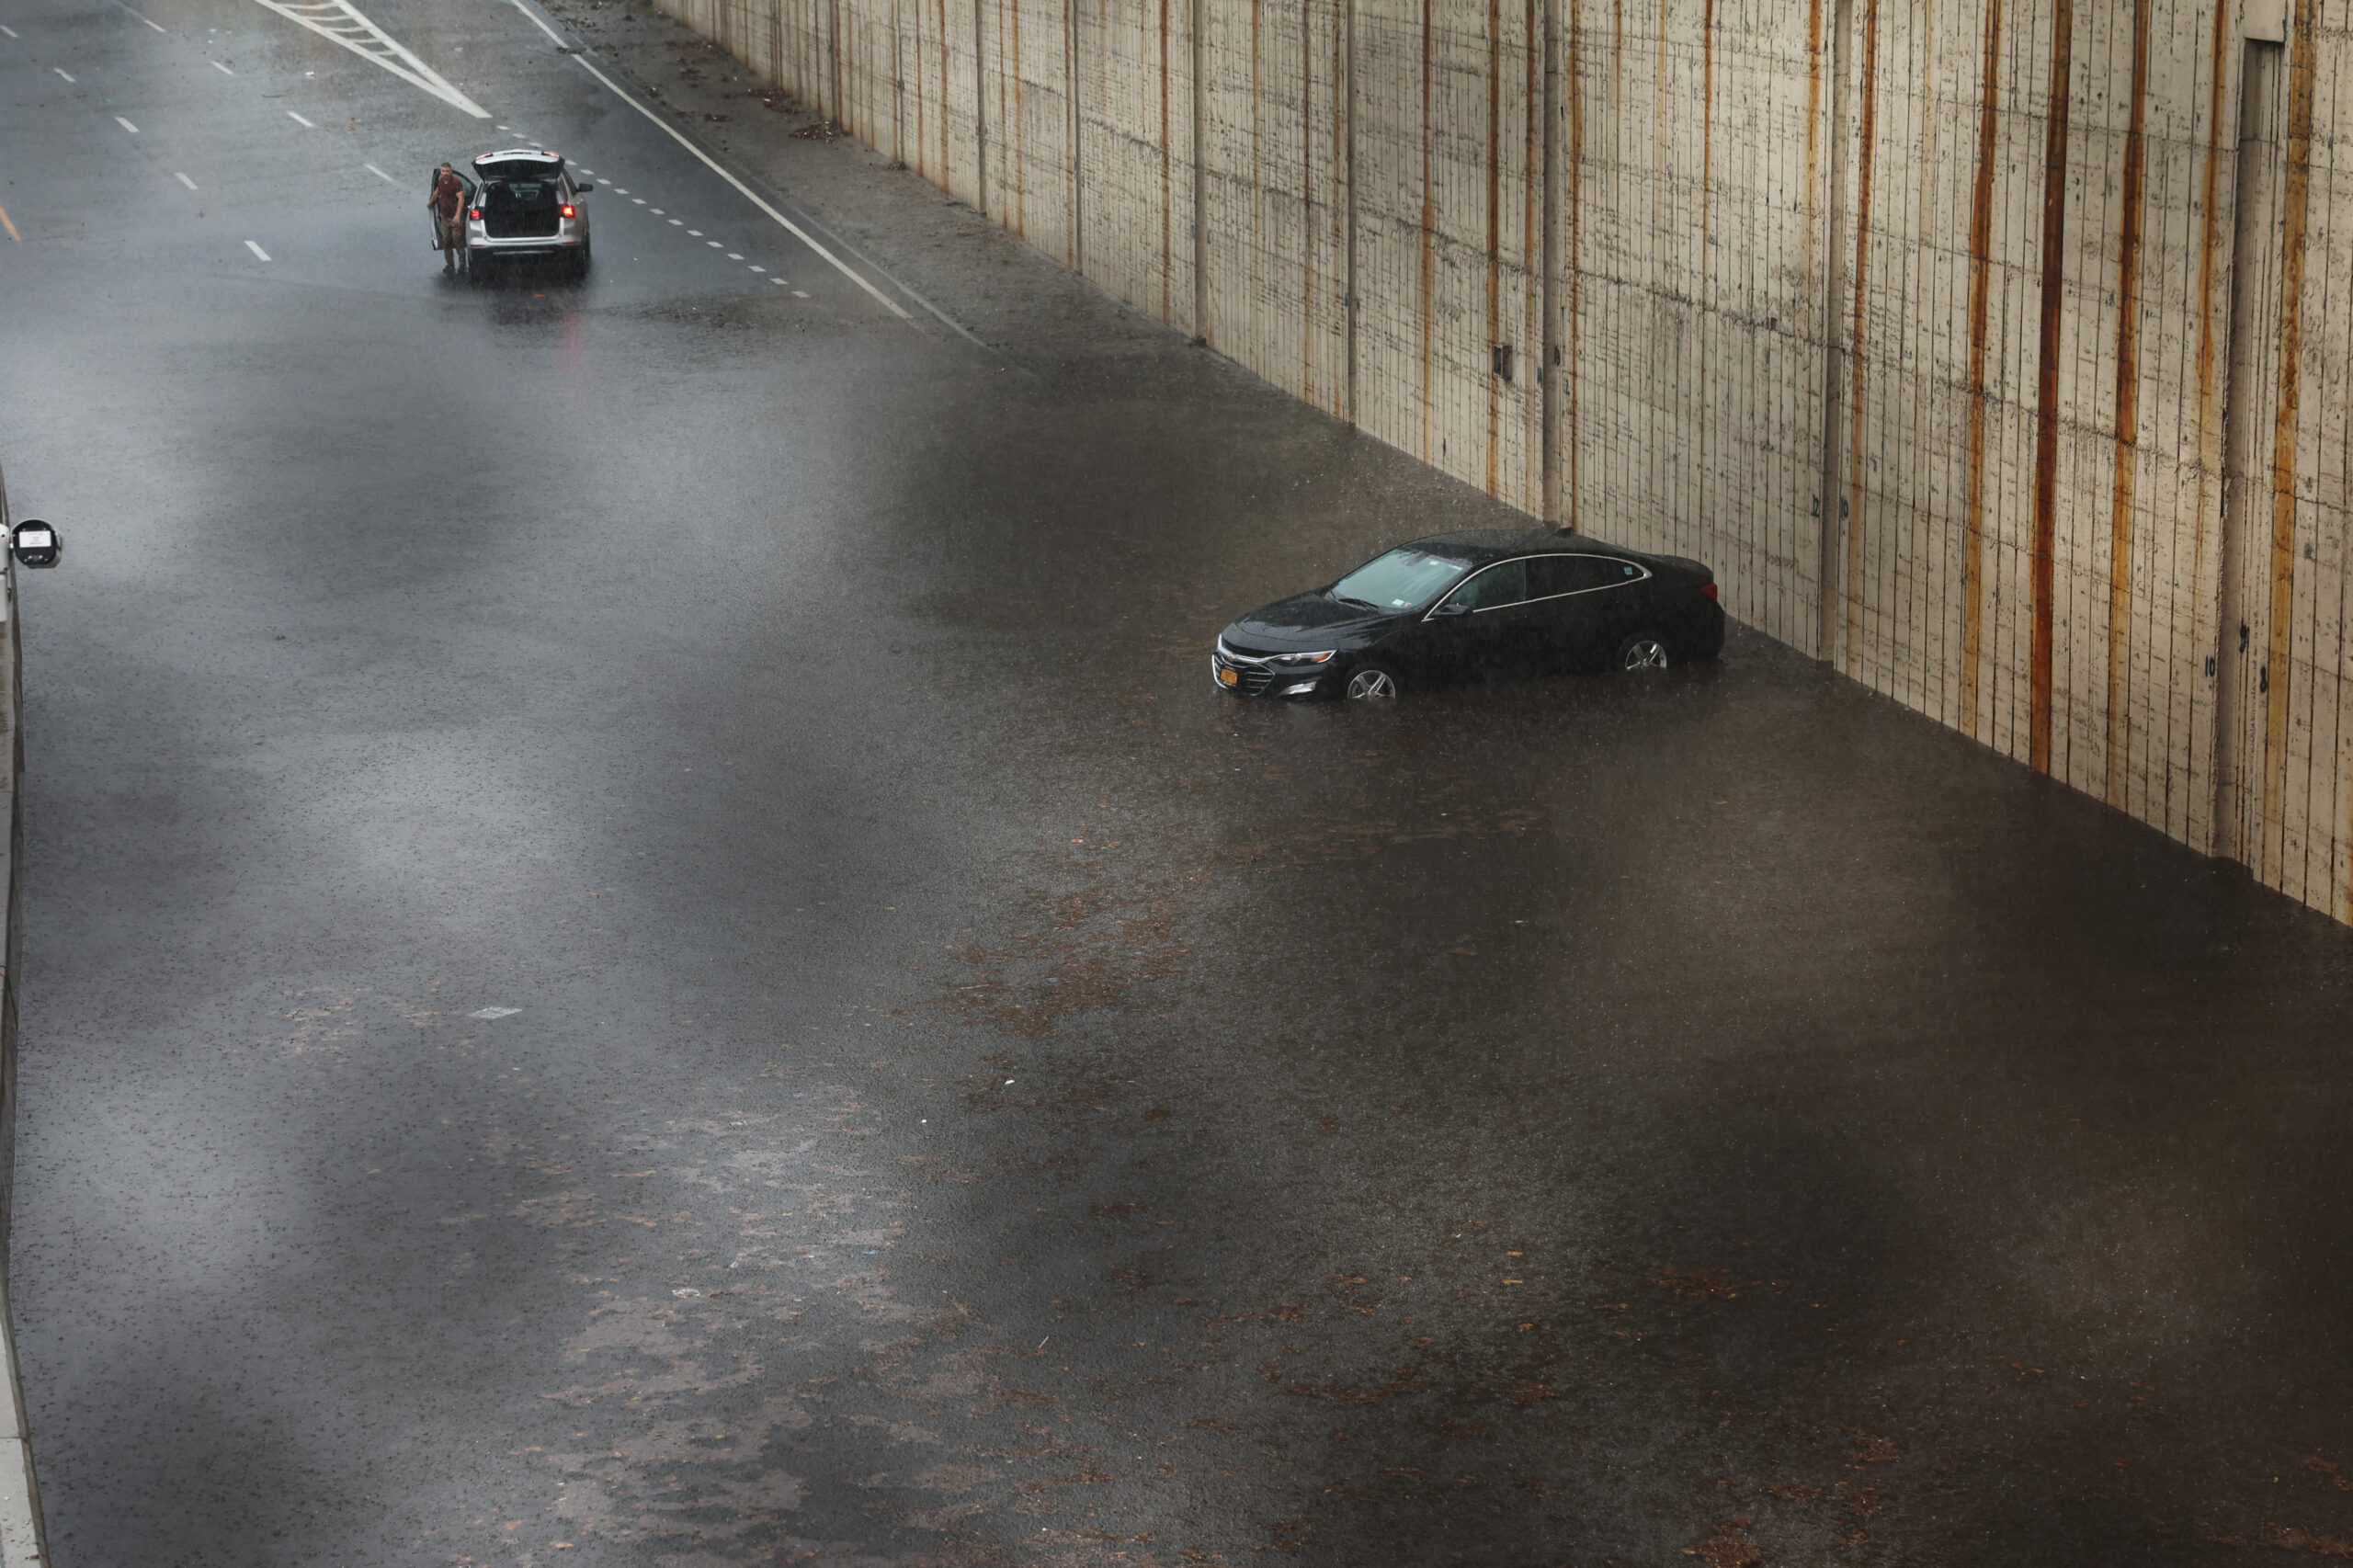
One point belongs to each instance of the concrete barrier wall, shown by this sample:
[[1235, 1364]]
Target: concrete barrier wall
[[1994, 350], [23, 1538]]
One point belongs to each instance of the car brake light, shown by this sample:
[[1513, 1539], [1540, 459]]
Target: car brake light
[[475, 214], [568, 212], [1708, 589]]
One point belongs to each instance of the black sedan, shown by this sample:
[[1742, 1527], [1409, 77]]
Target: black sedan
[[1483, 603]]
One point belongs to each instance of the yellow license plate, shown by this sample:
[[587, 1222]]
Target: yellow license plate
[[1227, 677]]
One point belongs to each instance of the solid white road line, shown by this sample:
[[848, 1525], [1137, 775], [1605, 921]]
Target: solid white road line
[[126, 125], [61, 70], [184, 180], [222, 69], [795, 229], [299, 120], [258, 250], [340, 20], [380, 174]]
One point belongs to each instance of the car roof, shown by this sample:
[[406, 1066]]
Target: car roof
[[1481, 545]]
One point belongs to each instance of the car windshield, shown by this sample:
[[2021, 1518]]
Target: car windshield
[[1399, 579]]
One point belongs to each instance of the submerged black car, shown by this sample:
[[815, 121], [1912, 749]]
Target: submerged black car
[[1465, 605]]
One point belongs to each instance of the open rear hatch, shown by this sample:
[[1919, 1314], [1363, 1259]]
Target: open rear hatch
[[521, 194]]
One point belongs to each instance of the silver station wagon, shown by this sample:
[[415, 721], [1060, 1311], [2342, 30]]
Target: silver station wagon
[[525, 204]]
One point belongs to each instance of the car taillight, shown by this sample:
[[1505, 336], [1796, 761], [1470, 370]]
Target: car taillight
[[568, 212], [475, 214], [1708, 589]]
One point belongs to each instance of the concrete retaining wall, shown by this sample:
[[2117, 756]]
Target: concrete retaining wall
[[22, 1539], [1994, 350]]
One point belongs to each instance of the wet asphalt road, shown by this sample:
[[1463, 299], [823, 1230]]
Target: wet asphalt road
[[974, 1096]]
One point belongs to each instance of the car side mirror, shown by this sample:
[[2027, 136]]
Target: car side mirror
[[35, 543], [1451, 607]]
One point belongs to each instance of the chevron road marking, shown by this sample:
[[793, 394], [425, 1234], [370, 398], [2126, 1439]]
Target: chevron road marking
[[341, 20]]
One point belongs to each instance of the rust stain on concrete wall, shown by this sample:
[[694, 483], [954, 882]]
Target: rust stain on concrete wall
[[1812, 195], [1867, 129], [2046, 409], [2295, 212], [2128, 416], [1981, 270]]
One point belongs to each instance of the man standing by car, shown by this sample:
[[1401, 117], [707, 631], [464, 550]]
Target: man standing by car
[[448, 200]]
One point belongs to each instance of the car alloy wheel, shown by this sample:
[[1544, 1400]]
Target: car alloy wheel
[[1643, 651], [1371, 682]]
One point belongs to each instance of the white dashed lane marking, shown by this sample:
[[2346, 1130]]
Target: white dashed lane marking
[[157, 25], [258, 250], [299, 120], [184, 180], [380, 174], [222, 69], [10, 31], [61, 70], [126, 125]]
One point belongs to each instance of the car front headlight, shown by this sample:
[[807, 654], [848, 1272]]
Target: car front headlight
[[1300, 661]]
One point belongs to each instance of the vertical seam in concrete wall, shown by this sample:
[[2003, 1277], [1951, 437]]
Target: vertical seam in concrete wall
[[1020, 159], [2294, 213], [1980, 272], [1549, 371], [2209, 460], [1535, 254], [1494, 234], [1829, 206], [1866, 150], [833, 61], [2046, 410], [1307, 202], [1201, 323], [1348, 51], [1707, 138], [980, 110], [1571, 432], [1167, 178], [1425, 283], [1075, 246], [2127, 416]]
